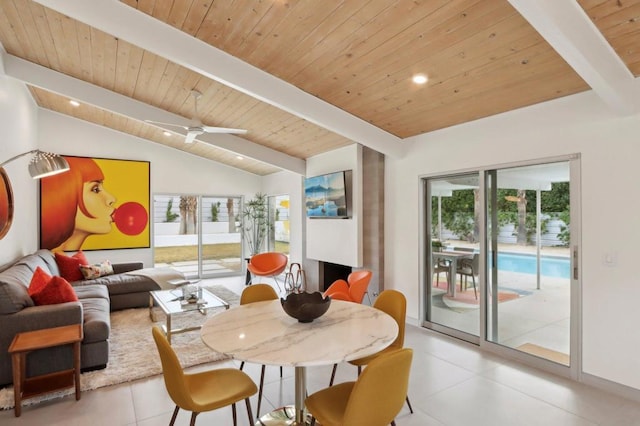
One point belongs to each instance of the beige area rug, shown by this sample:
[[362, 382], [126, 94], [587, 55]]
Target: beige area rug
[[545, 353], [132, 351]]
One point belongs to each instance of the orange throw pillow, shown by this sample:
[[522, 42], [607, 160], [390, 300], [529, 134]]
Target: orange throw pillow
[[70, 265], [47, 290]]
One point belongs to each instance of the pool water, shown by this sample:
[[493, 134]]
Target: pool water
[[557, 267]]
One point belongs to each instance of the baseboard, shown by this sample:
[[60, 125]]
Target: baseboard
[[412, 321], [611, 387]]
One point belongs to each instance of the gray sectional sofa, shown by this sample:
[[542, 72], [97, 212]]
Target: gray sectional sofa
[[97, 298]]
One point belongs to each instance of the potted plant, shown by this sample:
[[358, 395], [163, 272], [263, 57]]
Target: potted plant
[[256, 222], [437, 245]]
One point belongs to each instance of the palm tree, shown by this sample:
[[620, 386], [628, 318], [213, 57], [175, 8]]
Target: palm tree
[[188, 214]]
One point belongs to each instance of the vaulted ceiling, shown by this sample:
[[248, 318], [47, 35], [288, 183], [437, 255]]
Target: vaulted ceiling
[[307, 76]]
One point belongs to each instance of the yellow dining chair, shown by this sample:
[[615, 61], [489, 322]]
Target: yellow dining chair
[[393, 303], [251, 294], [204, 391], [375, 399]]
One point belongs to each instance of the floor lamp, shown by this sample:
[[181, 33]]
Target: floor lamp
[[42, 164]]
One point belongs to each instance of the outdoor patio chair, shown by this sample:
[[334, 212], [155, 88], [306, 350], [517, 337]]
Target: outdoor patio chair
[[439, 266], [469, 268]]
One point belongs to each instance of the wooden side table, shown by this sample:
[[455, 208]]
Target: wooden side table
[[23, 343]]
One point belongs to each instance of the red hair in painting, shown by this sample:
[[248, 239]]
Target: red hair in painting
[[61, 196]]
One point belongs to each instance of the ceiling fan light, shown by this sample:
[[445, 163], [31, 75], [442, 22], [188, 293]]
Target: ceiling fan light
[[45, 164]]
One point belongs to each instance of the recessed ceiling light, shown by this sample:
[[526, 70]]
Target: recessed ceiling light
[[420, 79], [166, 133], [239, 157], [74, 103]]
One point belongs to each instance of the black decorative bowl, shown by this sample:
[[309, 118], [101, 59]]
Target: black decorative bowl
[[305, 307]]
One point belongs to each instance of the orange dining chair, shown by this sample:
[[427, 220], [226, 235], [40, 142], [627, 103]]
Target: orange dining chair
[[352, 290], [394, 303], [203, 391], [269, 264], [252, 294]]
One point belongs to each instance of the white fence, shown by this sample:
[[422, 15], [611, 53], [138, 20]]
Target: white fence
[[506, 234], [167, 234]]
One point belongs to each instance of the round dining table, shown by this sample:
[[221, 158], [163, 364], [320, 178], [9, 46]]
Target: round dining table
[[263, 333]]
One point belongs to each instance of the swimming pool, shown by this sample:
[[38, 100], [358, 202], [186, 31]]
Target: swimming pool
[[557, 267]]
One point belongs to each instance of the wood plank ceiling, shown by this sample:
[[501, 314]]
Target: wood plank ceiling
[[481, 56]]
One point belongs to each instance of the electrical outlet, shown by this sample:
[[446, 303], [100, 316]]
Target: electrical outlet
[[610, 259]]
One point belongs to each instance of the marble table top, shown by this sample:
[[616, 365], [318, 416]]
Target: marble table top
[[263, 333]]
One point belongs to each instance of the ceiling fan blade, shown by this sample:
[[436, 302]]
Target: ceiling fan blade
[[191, 136], [166, 124], [211, 129]]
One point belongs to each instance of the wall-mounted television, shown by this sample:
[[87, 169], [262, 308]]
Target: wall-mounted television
[[328, 196]]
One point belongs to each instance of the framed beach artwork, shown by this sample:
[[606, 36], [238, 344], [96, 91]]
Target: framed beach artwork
[[99, 204]]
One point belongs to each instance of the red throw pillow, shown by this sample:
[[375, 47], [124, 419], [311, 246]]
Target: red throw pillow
[[38, 281], [70, 265], [47, 290]]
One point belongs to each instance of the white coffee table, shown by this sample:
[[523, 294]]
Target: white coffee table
[[171, 303]]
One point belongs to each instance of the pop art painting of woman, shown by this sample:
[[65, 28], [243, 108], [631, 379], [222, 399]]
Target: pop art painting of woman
[[98, 204]]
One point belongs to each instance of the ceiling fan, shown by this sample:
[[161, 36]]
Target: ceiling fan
[[196, 128]]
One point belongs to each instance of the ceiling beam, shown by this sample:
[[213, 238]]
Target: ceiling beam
[[568, 29], [148, 33], [73, 88]]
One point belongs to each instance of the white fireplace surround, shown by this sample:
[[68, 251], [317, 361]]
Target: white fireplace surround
[[338, 240]]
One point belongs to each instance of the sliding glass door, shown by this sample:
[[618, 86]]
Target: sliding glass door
[[197, 234], [501, 263], [453, 224], [528, 267]]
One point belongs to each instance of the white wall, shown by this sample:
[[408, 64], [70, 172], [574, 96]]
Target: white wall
[[18, 121], [337, 240], [289, 183], [609, 148], [172, 171]]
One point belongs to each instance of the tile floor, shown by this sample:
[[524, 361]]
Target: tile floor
[[452, 383]]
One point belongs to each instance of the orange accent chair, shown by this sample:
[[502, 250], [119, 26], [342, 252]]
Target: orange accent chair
[[269, 264], [352, 290], [252, 294]]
